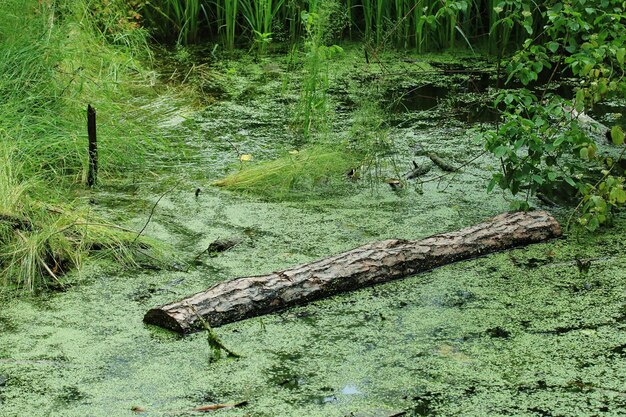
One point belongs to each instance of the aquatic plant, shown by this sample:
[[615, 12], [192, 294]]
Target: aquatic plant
[[230, 8], [178, 19], [424, 25], [369, 137], [312, 112]]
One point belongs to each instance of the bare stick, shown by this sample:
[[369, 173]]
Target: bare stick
[[152, 211], [92, 175]]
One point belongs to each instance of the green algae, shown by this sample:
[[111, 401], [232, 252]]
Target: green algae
[[522, 332]]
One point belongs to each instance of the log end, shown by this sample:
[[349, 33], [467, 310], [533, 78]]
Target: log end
[[161, 318]]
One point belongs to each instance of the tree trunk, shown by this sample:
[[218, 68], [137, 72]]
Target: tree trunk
[[367, 265]]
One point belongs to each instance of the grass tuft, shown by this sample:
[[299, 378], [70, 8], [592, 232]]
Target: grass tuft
[[40, 242], [313, 170]]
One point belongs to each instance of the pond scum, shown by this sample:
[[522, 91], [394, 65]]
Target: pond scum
[[301, 129]]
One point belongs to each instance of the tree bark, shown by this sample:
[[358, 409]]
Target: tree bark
[[367, 265]]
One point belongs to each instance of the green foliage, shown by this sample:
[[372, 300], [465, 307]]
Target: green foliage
[[510, 18], [543, 141], [424, 25], [179, 19], [230, 12], [43, 101], [369, 138], [601, 199], [531, 147]]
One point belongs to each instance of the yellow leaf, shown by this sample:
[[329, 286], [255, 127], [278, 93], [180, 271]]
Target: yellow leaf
[[293, 152], [245, 158]]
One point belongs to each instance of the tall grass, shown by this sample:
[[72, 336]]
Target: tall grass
[[424, 25], [40, 242], [179, 19], [55, 57]]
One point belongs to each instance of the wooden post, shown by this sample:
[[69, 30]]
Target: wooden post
[[92, 175]]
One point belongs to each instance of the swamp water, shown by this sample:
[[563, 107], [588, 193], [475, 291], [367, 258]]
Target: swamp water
[[522, 332]]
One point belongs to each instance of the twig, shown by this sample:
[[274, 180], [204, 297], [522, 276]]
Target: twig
[[233, 146], [152, 211], [214, 341], [457, 168]]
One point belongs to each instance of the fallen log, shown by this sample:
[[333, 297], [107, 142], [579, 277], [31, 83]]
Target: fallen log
[[367, 265], [441, 163]]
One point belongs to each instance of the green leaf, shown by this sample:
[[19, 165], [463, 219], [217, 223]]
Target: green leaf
[[586, 69], [617, 135], [580, 100], [553, 46], [584, 153], [593, 224], [500, 151], [620, 55], [599, 202]]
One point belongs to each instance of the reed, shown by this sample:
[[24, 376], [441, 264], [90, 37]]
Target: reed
[[259, 15], [425, 25], [177, 20], [231, 10], [368, 16]]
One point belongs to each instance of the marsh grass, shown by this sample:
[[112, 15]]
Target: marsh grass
[[369, 138], [314, 170], [55, 57], [313, 114], [40, 242], [230, 13], [425, 25], [50, 69], [178, 19]]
